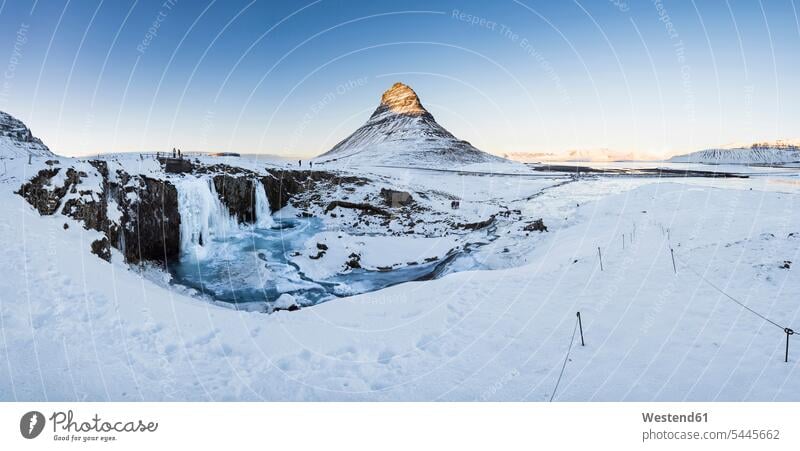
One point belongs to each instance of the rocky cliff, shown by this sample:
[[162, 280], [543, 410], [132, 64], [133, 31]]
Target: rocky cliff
[[139, 214], [17, 141]]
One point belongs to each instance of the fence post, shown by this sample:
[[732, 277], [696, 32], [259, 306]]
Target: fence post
[[788, 332], [580, 326], [600, 255], [672, 253]]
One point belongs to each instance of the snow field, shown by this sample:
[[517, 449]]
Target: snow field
[[76, 327]]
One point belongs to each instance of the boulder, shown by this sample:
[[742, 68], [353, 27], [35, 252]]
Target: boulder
[[535, 226], [395, 199]]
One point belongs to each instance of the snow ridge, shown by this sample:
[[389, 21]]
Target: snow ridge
[[17, 141], [402, 132]]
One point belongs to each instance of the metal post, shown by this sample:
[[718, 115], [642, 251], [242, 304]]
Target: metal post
[[600, 255], [623, 241], [580, 326], [672, 253], [788, 332]]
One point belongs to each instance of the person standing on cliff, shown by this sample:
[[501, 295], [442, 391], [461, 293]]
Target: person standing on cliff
[[300, 163]]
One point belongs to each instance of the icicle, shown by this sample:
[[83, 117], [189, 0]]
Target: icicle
[[263, 213], [203, 216]]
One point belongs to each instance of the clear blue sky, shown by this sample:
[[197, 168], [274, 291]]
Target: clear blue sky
[[294, 77]]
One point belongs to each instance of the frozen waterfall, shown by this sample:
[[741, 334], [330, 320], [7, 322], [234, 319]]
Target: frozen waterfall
[[203, 216], [263, 213]]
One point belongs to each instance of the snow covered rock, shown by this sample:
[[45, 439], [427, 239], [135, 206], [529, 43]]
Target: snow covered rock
[[284, 185], [17, 141], [401, 132], [331, 253], [138, 214], [286, 302]]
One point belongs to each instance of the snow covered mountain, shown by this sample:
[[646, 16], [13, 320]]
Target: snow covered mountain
[[755, 154], [17, 141], [401, 132]]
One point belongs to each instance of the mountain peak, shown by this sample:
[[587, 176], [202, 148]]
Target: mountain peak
[[401, 132], [401, 99], [17, 141]]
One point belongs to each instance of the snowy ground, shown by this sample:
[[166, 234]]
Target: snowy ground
[[73, 327]]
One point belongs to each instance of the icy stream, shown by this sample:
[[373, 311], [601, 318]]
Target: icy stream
[[251, 268], [250, 265]]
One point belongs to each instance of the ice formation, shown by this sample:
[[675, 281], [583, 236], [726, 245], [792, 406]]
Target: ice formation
[[263, 212], [203, 216]]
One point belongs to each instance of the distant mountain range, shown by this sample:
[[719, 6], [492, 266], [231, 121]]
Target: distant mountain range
[[401, 132], [759, 153], [17, 141]]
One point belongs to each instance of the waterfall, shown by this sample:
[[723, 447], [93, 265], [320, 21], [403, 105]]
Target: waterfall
[[203, 216], [263, 213]]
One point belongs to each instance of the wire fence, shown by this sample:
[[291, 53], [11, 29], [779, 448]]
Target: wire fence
[[675, 257], [566, 358], [720, 290]]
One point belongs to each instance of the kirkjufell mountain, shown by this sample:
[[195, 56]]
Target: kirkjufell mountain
[[401, 132], [17, 141]]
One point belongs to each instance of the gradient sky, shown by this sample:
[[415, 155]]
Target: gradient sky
[[295, 77]]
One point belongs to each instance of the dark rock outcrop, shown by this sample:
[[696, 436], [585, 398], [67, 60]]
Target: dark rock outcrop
[[366, 208], [477, 225], [102, 248], [90, 210], [40, 194], [238, 194], [151, 225], [43, 195], [354, 261], [535, 226], [283, 185], [396, 199], [176, 165]]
